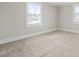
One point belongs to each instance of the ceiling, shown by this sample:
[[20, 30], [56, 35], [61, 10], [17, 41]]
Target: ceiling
[[62, 3]]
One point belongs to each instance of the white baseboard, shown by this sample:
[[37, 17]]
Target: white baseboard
[[68, 30], [24, 36]]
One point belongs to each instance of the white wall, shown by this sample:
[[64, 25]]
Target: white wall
[[66, 19], [66, 16], [12, 19]]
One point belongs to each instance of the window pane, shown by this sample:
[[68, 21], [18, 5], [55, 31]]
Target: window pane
[[76, 9], [33, 8], [33, 19], [33, 13], [76, 18]]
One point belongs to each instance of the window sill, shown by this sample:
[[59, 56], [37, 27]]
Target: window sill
[[33, 25]]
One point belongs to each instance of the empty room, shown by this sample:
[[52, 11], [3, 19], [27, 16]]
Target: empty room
[[39, 29]]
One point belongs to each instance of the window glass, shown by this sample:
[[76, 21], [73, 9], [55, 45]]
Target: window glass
[[34, 13]]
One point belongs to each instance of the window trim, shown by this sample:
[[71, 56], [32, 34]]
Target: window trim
[[74, 15], [31, 25]]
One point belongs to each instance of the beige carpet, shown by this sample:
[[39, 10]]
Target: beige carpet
[[58, 43]]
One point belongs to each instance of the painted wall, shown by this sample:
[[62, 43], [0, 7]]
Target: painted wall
[[66, 18], [13, 19]]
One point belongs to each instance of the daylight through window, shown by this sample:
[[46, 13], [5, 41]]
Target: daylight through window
[[33, 13]]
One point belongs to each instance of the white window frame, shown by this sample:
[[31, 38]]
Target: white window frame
[[75, 21], [37, 24]]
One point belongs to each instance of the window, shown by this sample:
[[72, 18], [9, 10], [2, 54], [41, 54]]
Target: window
[[34, 13], [76, 14]]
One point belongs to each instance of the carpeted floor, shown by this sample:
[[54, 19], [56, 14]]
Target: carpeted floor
[[53, 44]]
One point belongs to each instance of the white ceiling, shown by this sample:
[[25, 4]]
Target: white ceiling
[[62, 3]]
